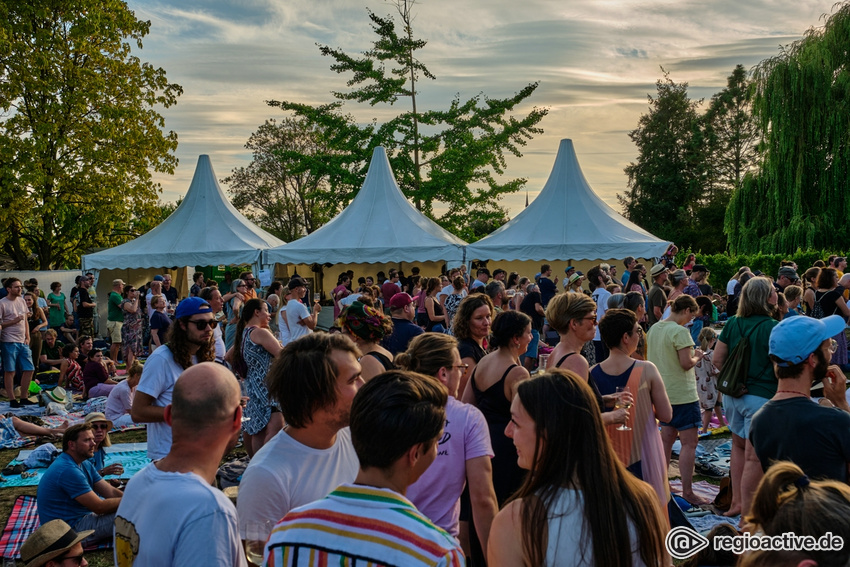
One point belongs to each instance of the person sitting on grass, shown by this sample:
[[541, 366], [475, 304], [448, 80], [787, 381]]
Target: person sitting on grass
[[121, 397]]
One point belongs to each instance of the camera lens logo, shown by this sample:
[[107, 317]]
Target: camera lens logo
[[684, 542]]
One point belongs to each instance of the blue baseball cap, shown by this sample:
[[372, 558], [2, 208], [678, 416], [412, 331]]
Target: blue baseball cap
[[568, 268], [192, 306], [795, 338], [158, 279]]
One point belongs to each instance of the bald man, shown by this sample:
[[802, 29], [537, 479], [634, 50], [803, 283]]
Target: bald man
[[173, 515]]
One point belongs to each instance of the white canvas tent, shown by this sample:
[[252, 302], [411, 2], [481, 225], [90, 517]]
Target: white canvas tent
[[567, 221], [379, 225], [205, 230]]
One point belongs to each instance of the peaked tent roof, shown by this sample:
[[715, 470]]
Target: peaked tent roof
[[567, 221], [379, 225], [205, 230]]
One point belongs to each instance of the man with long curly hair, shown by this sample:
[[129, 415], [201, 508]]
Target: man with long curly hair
[[190, 341]]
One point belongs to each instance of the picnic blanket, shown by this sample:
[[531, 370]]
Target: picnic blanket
[[132, 456], [22, 523]]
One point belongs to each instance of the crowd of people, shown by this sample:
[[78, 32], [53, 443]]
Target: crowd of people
[[494, 419]]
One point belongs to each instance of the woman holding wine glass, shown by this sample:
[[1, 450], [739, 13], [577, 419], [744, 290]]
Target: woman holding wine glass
[[639, 448]]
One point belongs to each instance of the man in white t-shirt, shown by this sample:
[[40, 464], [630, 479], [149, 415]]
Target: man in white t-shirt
[[154, 289], [597, 279], [171, 514], [299, 319], [190, 342], [213, 296], [313, 454]]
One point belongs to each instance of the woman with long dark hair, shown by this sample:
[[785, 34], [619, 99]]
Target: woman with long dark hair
[[435, 318], [829, 300], [253, 349], [491, 388], [578, 505]]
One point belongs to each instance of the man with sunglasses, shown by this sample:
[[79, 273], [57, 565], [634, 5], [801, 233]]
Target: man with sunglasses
[[248, 278], [190, 341], [171, 513]]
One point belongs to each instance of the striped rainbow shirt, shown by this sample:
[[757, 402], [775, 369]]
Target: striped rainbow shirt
[[360, 526]]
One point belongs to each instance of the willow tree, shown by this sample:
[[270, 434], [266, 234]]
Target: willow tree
[[799, 196]]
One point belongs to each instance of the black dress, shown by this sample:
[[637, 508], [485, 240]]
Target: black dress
[[507, 476]]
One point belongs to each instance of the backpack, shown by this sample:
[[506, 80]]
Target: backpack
[[817, 310], [732, 380]]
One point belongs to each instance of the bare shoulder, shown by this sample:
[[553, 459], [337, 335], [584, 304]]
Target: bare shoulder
[[504, 547]]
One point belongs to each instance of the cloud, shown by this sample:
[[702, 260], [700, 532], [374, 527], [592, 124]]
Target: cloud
[[596, 61]]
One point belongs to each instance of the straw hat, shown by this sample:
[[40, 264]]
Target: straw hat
[[50, 541], [98, 416]]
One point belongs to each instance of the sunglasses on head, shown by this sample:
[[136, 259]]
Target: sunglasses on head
[[203, 323]]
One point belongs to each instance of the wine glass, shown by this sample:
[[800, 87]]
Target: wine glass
[[623, 402], [256, 534], [317, 297]]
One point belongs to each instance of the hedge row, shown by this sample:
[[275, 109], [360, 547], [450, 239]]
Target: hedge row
[[724, 266]]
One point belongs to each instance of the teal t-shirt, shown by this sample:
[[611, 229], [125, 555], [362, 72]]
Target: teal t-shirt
[[115, 312], [761, 381]]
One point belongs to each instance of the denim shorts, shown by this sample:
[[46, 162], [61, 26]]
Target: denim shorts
[[16, 356], [685, 416], [740, 412]]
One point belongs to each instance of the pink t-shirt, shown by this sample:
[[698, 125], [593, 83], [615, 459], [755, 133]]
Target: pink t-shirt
[[437, 492], [9, 309]]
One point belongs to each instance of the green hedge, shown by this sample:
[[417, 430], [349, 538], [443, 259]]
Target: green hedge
[[724, 266]]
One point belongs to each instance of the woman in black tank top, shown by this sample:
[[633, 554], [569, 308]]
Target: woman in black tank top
[[368, 326]]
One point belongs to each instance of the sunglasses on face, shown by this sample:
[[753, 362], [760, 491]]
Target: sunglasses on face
[[100, 426], [204, 323], [75, 559]]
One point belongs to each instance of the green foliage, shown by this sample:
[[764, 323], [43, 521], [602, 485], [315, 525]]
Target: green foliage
[[723, 266], [442, 159], [799, 196], [667, 181], [79, 135], [296, 181]]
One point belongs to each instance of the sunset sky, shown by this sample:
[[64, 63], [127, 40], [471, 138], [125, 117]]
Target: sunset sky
[[596, 61]]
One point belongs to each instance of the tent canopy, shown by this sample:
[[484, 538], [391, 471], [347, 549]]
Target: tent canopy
[[567, 221], [205, 230], [379, 225]]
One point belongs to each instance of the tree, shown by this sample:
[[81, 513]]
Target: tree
[[79, 135], [667, 182], [286, 188], [798, 198], [732, 136], [447, 159]]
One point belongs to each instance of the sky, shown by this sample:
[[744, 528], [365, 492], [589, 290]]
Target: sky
[[596, 62]]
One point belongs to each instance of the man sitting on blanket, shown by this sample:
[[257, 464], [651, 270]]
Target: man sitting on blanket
[[73, 491]]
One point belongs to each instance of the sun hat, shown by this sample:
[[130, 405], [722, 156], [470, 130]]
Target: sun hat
[[98, 416], [50, 541], [58, 394], [657, 269], [792, 341], [573, 279], [192, 306]]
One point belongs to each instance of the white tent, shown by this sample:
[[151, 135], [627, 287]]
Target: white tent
[[567, 221], [205, 230], [379, 225]]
